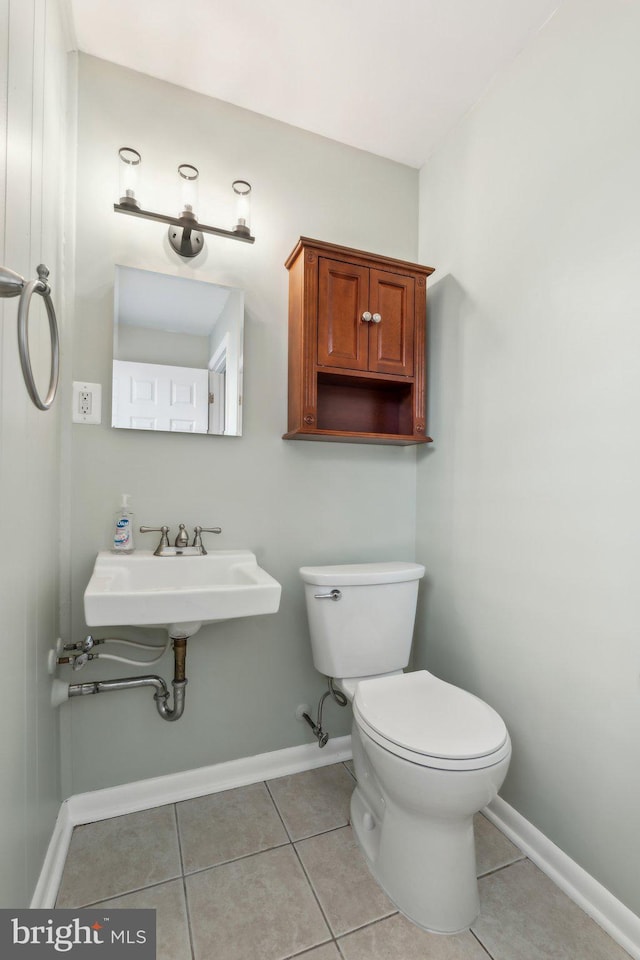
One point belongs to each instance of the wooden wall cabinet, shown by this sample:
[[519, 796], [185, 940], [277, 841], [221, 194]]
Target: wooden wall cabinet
[[357, 326]]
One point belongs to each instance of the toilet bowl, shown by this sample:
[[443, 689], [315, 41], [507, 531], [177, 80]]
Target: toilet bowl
[[427, 755]]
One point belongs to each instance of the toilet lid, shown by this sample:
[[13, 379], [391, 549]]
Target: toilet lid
[[425, 715]]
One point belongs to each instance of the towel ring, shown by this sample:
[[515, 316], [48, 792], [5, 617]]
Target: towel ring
[[12, 285]]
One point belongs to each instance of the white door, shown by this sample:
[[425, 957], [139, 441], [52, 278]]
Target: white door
[[153, 396]]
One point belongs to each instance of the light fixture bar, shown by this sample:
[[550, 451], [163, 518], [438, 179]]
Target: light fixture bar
[[186, 223]]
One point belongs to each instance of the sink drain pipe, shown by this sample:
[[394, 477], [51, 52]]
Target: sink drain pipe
[[161, 696]]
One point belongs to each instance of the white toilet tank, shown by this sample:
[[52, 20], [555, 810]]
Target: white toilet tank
[[368, 629]]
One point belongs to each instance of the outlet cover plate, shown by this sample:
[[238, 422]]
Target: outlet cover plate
[[87, 402]]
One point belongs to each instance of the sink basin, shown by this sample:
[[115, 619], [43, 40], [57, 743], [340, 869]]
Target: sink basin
[[177, 593]]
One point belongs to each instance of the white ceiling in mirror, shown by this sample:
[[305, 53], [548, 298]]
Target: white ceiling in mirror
[[388, 76], [164, 302]]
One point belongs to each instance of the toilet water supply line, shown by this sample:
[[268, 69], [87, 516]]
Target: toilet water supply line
[[339, 698], [161, 696]]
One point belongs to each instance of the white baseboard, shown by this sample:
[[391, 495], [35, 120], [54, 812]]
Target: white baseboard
[[618, 921], [49, 880], [172, 788]]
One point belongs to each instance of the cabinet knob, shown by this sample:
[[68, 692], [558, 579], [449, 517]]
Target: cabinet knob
[[376, 318], [366, 317]]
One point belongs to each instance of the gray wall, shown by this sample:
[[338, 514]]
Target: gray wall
[[159, 346], [292, 503], [32, 120], [528, 518]]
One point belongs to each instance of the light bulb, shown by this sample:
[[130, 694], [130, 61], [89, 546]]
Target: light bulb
[[128, 168], [242, 191], [189, 187]]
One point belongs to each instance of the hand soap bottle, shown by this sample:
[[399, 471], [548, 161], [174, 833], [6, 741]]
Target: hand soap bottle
[[123, 531]]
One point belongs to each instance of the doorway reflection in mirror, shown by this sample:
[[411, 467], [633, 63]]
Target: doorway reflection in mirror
[[177, 354]]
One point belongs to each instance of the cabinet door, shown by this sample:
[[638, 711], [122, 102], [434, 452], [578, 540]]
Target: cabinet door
[[343, 297], [392, 340]]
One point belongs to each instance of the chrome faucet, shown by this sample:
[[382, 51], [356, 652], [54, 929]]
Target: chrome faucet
[[181, 548]]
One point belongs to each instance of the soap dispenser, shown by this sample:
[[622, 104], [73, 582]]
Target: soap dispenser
[[123, 531]]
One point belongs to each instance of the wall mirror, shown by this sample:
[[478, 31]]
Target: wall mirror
[[177, 354]]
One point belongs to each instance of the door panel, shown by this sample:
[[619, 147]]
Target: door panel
[[391, 342], [152, 396], [343, 295]]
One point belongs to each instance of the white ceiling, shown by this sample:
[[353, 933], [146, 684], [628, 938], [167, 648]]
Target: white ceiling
[[388, 76], [172, 304]]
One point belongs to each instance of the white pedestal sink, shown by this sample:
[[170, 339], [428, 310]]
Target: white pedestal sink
[[178, 593]]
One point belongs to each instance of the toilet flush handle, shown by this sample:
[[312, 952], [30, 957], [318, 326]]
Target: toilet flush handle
[[334, 595]]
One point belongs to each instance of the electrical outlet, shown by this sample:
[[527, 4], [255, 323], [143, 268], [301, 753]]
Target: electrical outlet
[[87, 402]]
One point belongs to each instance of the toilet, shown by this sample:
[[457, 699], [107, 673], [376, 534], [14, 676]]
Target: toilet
[[427, 755]]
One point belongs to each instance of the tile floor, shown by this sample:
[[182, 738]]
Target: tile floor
[[271, 871]]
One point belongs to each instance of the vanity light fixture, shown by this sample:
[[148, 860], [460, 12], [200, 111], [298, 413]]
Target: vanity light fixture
[[185, 232]]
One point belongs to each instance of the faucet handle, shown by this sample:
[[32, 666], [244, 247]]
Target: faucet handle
[[164, 539], [197, 539]]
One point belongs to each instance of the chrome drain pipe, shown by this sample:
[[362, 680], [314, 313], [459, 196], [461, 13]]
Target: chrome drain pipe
[[161, 696]]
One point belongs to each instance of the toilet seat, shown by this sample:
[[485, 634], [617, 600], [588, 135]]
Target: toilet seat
[[430, 722]]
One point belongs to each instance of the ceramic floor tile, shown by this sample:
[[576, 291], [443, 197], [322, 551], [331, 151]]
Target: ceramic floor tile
[[347, 892], [493, 850], [172, 925], [524, 916], [227, 825], [262, 905], [258, 908], [327, 951], [313, 801], [397, 939], [112, 857]]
